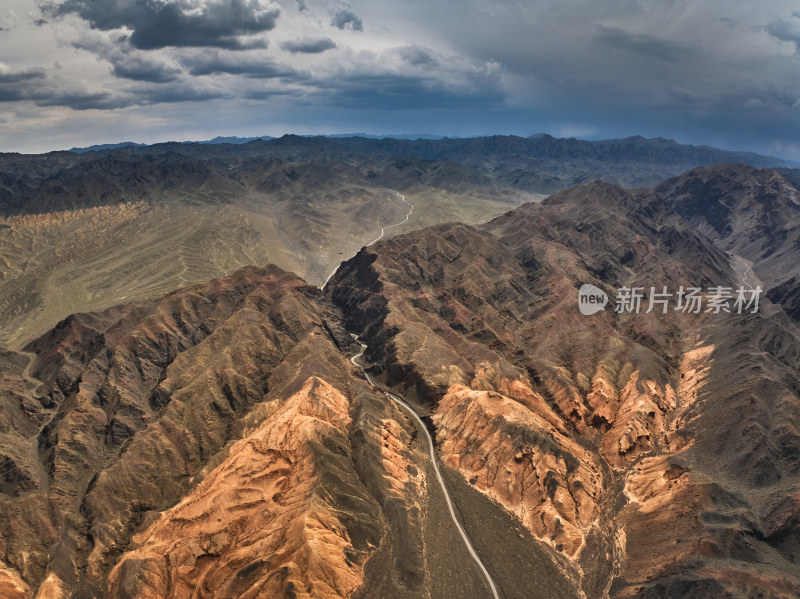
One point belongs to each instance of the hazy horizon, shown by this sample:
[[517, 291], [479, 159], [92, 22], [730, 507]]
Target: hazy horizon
[[80, 73], [403, 136]]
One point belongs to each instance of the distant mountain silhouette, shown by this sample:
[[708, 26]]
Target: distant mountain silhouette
[[99, 147]]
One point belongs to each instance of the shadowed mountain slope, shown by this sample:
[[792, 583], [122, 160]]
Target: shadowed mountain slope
[[217, 441], [87, 234], [645, 448], [751, 214]]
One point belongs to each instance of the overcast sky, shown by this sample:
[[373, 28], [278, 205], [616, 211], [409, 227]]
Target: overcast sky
[[80, 72]]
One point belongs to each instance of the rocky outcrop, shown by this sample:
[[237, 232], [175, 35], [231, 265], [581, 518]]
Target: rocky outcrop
[[631, 443], [138, 403], [12, 586], [284, 515], [527, 464]]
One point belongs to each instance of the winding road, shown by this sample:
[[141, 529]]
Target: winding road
[[383, 232], [421, 425], [402, 222], [744, 274]]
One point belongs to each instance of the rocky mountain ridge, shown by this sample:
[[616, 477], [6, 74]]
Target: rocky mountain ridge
[[218, 442]]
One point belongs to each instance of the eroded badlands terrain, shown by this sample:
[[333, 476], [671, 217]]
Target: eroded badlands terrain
[[217, 441]]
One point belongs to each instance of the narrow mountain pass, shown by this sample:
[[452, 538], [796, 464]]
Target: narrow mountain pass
[[434, 462]]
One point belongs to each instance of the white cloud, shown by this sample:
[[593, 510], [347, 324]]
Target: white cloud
[[685, 69]]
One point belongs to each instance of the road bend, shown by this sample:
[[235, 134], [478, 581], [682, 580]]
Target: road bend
[[383, 231], [450, 506]]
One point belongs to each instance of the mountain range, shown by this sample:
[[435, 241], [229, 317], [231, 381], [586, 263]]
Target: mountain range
[[230, 429], [182, 213]]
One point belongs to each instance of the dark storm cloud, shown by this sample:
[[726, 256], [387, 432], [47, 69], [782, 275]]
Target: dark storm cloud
[[11, 93], [170, 94], [161, 24], [254, 67], [79, 100], [13, 76], [345, 18], [33, 85], [388, 91], [17, 84], [43, 89], [309, 45], [140, 69], [787, 30], [264, 94], [641, 44], [417, 56], [301, 5], [127, 63]]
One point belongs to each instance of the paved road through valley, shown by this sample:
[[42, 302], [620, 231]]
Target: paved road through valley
[[383, 232], [421, 425]]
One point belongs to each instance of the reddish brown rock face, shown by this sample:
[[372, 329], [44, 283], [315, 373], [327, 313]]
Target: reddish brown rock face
[[606, 436], [138, 404], [536, 471], [263, 522], [12, 586], [639, 418], [218, 442]]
